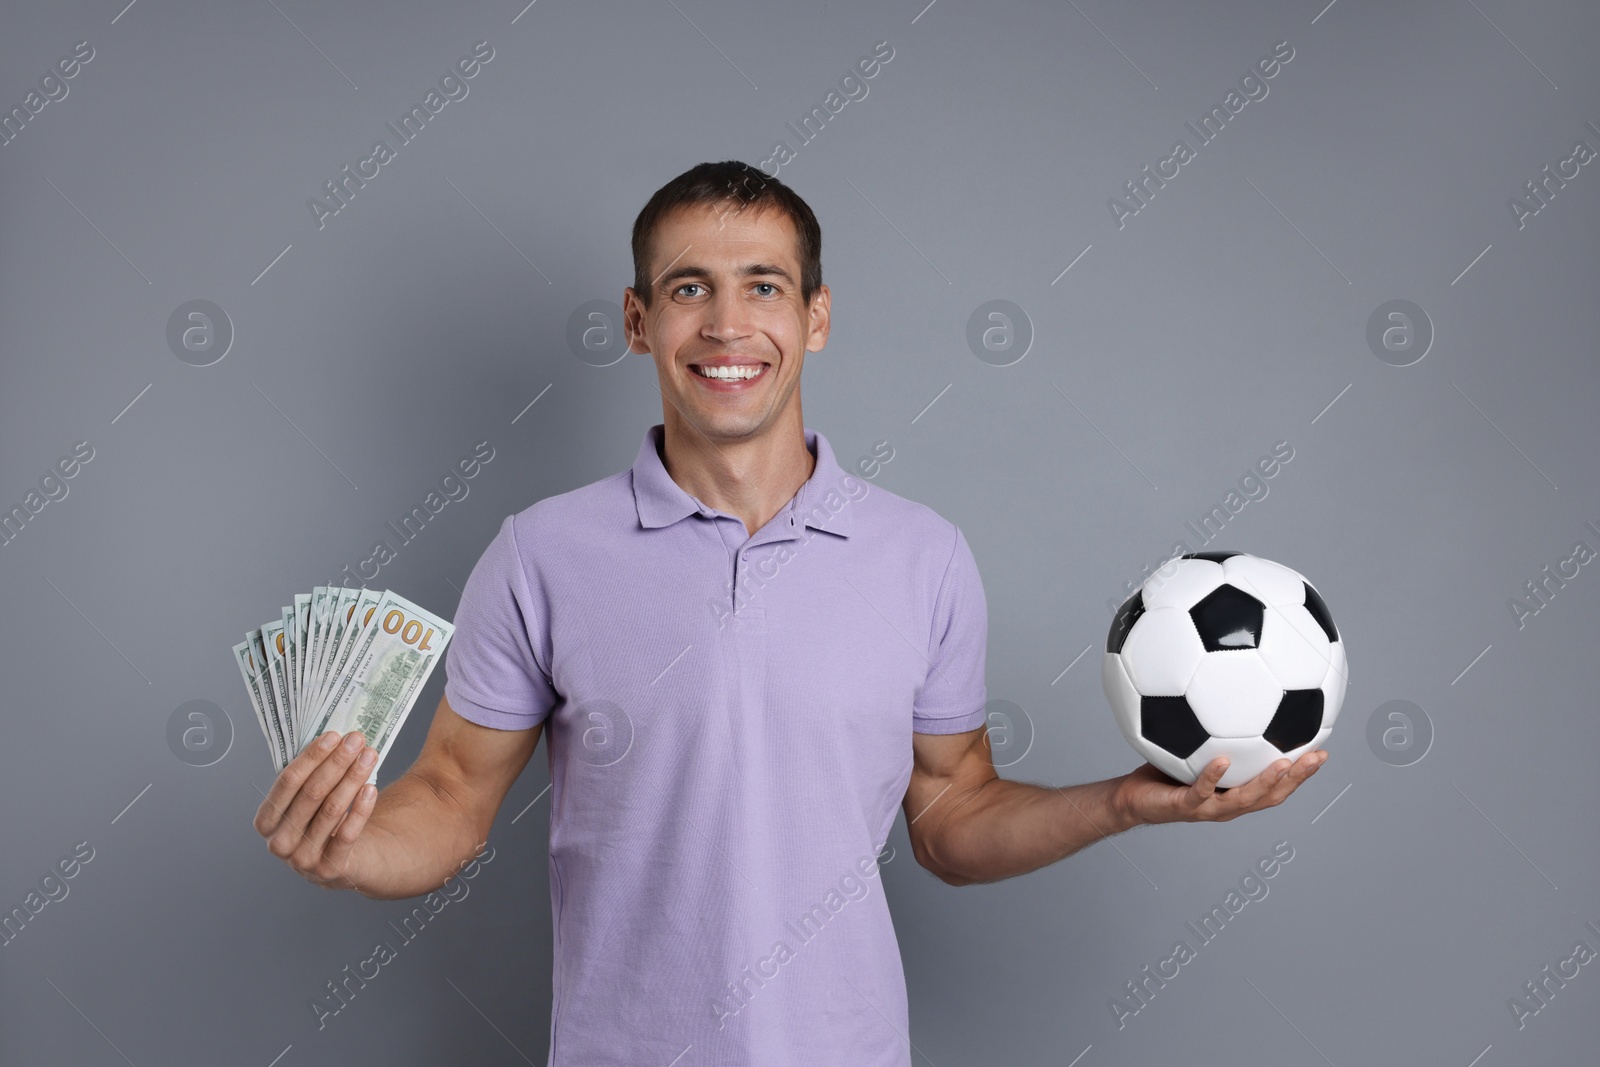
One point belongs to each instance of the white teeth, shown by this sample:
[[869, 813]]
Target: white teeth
[[729, 373]]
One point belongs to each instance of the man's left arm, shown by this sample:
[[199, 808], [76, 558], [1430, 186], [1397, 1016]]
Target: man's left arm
[[967, 824]]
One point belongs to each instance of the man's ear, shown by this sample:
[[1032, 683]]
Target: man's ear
[[630, 327], [820, 314]]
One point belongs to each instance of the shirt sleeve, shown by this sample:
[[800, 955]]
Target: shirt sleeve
[[493, 675], [952, 698]]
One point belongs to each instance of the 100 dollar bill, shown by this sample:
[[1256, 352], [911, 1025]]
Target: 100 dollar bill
[[341, 608], [254, 684], [349, 623], [390, 662], [281, 752]]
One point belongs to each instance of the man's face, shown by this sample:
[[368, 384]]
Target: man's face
[[726, 291]]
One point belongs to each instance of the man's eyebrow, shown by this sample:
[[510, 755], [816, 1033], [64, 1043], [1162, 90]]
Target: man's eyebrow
[[690, 270]]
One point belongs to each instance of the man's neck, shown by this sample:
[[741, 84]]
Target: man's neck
[[751, 478]]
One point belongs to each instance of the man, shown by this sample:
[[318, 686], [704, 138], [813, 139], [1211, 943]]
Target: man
[[747, 659]]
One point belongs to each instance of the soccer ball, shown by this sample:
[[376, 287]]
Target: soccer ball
[[1223, 654]]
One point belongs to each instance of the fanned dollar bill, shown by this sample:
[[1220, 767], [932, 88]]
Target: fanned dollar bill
[[250, 668], [302, 616], [316, 616], [278, 679], [290, 657], [339, 659], [269, 698], [340, 607], [394, 655], [357, 618]]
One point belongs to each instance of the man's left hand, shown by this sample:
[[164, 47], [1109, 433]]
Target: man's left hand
[[1147, 795]]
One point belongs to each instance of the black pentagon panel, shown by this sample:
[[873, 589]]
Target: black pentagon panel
[[1319, 611], [1298, 718], [1126, 616], [1170, 723], [1214, 557], [1228, 618]]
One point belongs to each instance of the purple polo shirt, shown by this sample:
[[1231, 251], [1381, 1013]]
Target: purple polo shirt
[[729, 721]]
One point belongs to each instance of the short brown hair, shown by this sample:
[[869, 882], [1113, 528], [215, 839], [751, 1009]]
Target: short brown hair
[[728, 182]]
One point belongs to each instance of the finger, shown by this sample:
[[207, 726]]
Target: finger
[[1205, 786], [1259, 792], [344, 838], [1281, 779], [333, 808], [1303, 768], [276, 803], [1232, 803], [313, 791]]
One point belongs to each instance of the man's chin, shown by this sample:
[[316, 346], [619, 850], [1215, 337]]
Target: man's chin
[[723, 427]]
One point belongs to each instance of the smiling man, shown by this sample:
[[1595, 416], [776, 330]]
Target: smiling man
[[722, 783]]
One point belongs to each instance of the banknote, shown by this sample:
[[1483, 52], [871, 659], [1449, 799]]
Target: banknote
[[269, 697], [394, 655], [316, 611], [324, 601], [302, 617], [278, 679], [358, 617], [339, 659], [290, 655], [249, 667], [342, 606]]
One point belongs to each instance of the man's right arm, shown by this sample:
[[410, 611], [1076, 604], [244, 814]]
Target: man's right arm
[[324, 820]]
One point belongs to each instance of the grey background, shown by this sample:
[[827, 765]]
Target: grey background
[[1224, 317]]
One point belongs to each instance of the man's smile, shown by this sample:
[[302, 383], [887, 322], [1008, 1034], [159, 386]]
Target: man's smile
[[729, 374]]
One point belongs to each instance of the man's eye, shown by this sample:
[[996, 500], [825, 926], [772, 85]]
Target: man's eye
[[766, 285], [688, 285]]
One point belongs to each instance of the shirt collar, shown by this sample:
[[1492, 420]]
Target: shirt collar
[[822, 502]]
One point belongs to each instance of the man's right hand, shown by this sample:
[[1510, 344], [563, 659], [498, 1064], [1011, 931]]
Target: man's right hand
[[315, 811], [325, 822]]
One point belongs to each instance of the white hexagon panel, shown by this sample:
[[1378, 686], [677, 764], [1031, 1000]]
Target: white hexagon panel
[[1265, 580], [1162, 651], [1188, 581], [1234, 694], [1123, 696], [1247, 757], [1294, 646], [1333, 686]]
